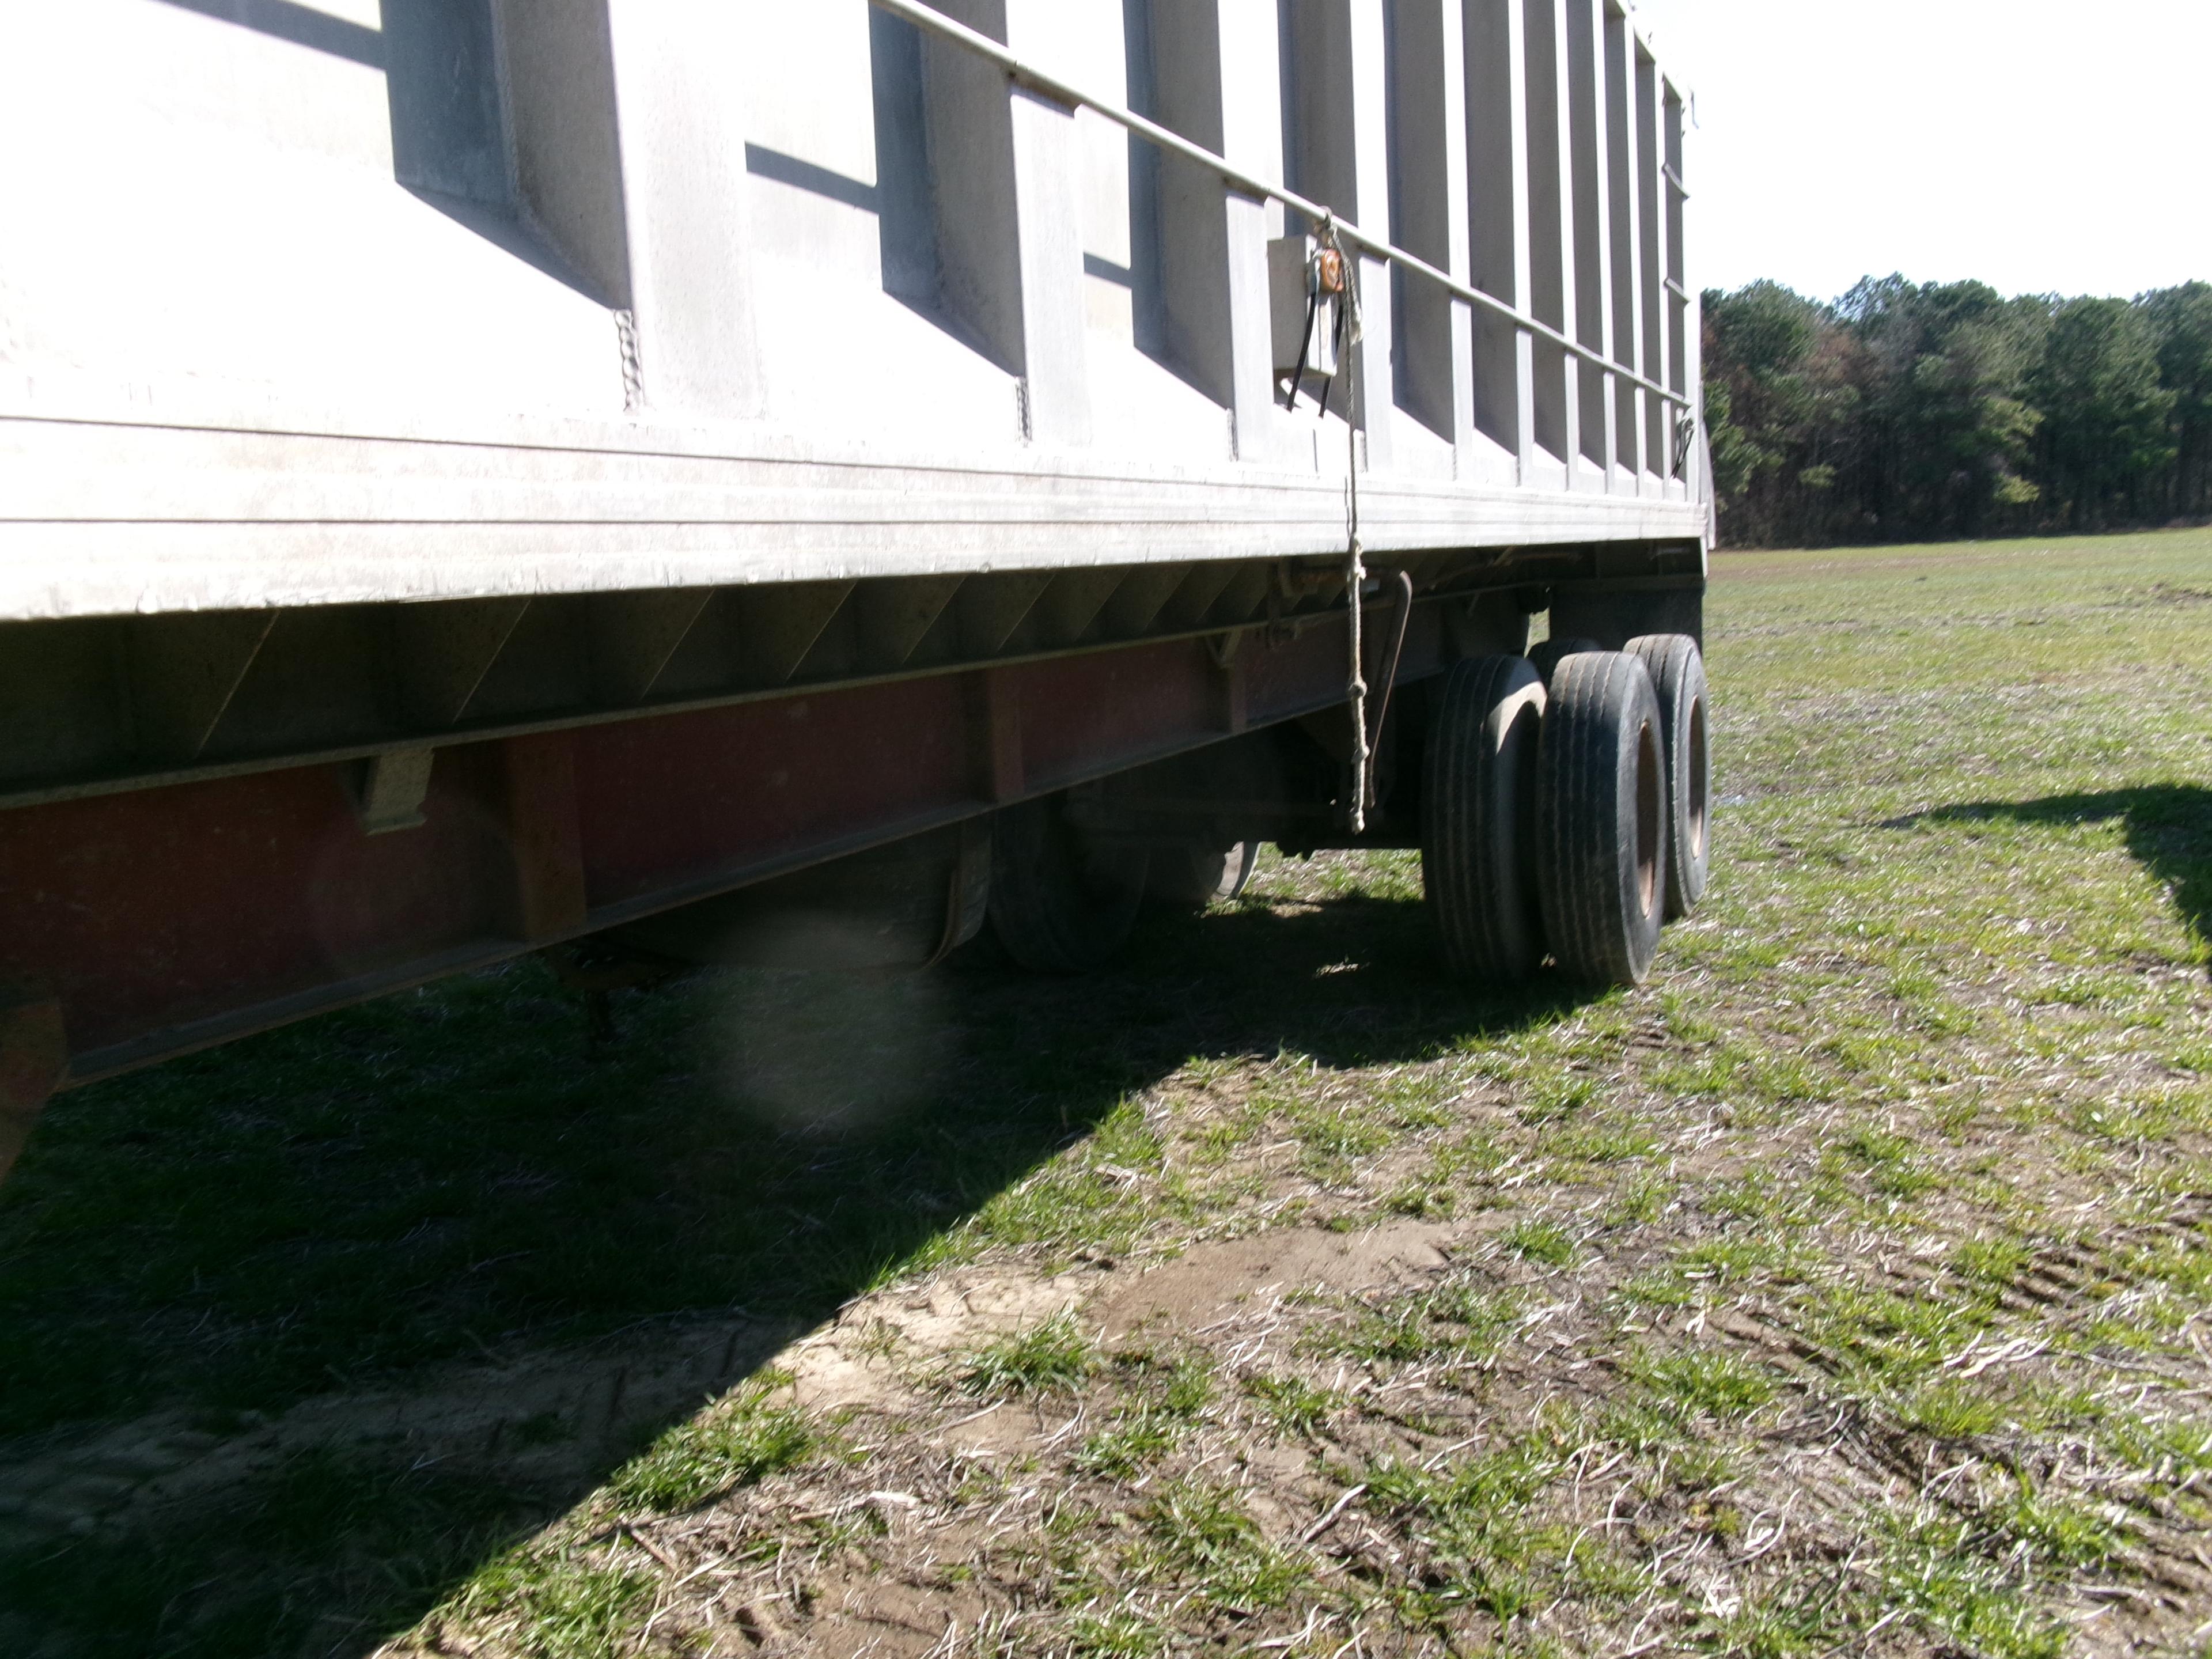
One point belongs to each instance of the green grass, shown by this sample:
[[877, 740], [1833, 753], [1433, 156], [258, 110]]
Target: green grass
[[1470, 1520], [1461, 1322], [1156, 1413], [1701, 1383], [1197, 1532], [1544, 1242], [559, 1604], [1295, 1405], [1901, 1145], [1054, 1355], [707, 1456]]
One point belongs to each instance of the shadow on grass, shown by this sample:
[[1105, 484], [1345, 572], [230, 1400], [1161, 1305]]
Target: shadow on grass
[[2168, 828], [293, 1336]]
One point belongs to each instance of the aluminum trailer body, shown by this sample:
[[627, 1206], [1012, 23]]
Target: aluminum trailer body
[[479, 474]]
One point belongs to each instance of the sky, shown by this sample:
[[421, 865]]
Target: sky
[[2042, 146]]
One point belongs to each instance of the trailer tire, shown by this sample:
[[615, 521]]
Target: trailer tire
[[1677, 669], [1194, 875], [1060, 903], [1547, 654], [1485, 729], [1601, 819]]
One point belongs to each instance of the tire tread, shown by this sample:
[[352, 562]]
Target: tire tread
[[1488, 925], [1599, 699], [1678, 677]]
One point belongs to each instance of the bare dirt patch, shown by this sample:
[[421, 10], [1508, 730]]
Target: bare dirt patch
[[1213, 1281]]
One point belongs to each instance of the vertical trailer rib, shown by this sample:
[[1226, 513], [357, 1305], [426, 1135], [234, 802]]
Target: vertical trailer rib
[[1029, 76], [1626, 266]]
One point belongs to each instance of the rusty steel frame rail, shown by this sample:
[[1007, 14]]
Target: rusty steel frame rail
[[149, 924]]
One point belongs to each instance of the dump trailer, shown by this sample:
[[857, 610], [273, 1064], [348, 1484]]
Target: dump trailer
[[677, 481]]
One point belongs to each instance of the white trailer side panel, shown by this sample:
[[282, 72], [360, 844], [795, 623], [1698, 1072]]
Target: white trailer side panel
[[312, 304]]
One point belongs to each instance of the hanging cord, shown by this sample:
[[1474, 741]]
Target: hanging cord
[[1325, 268], [1349, 329], [1403, 587], [1305, 341], [1686, 435]]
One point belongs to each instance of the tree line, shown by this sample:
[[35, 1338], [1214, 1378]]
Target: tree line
[[1907, 412]]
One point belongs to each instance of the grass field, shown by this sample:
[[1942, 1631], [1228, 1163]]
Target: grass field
[[1848, 1289]]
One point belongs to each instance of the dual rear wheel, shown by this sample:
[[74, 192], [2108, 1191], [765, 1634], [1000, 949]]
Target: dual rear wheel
[[1567, 818], [1566, 814]]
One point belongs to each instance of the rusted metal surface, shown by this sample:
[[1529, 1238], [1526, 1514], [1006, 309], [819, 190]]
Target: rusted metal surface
[[165, 920]]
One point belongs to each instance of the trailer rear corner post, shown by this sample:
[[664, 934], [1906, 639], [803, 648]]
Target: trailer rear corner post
[[33, 1060]]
